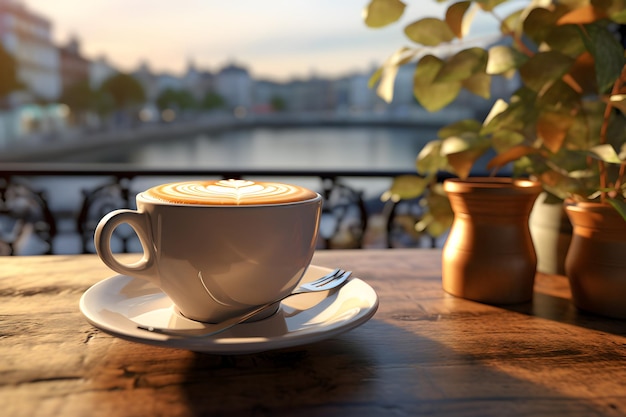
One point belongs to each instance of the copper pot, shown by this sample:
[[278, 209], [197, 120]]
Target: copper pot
[[596, 260], [489, 255]]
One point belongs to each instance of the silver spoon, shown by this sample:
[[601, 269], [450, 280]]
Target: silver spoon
[[332, 280]]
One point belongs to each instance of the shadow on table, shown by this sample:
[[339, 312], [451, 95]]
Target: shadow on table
[[376, 370], [562, 310]]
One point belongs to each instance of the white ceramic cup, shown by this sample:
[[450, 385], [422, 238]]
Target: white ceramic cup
[[223, 247]]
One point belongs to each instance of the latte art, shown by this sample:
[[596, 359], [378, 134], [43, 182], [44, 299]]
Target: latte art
[[229, 192]]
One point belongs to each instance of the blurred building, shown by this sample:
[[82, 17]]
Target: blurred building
[[265, 93], [197, 82], [234, 84], [99, 70], [360, 97], [27, 36], [148, 80], [166, 81], [74, 66]]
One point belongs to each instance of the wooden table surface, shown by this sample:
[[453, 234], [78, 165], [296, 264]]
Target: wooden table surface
[[423, 353]]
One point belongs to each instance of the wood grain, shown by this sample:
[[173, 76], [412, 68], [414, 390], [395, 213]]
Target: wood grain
[[423, 353]]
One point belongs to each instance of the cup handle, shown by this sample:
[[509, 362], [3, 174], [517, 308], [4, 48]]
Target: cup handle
[[143, 268]]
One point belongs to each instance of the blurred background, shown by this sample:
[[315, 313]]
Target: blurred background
[[71, 69], [248, 86]]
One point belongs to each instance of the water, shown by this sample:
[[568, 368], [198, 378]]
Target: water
[[310, 148], [304, 148]]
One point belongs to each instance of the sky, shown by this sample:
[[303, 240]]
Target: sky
[[275, 39]]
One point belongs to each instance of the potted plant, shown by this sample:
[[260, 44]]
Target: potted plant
[[567, 111], [596, 260]]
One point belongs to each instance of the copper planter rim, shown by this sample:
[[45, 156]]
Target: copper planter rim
[[497, 185], [587, 205]]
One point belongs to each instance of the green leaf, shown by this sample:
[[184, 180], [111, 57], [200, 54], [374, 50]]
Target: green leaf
[[430, 160], [386, 85], [619, 101], [504, 58], [375, 77], [440, 222], [570, 160], [503, 140], [462, 162], [619, 16], [379, 13], [565, 39], [605, 153], [552, 128], [433, 96], [544, 68], [561, 185], [459, 143], [458, 128], [462, 65], [479, 84], [517, 116], [456, 18], [429, 31], [560, 95], [607, 52], [462, 151], [538, 24], [489, 5], [586, 127], [622, 152], [387, 73], [582, 174], [552, 199], [619, 205], [615, 9], [406, 187], [512, 154], [436, 221], [498, 107], [512, 24]]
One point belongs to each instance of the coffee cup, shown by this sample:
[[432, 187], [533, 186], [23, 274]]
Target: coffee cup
[[218, 248]]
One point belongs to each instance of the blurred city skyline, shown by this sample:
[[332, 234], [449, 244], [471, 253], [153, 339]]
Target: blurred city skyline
[[274, 39]]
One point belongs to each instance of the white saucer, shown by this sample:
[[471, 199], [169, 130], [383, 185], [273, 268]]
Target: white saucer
[[119, 303]]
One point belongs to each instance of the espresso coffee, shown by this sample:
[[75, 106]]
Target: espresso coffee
[[218, 249], [229, 193]]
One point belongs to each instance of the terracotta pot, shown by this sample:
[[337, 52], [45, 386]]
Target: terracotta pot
[[489, 254], [552, 232], [596, 260]]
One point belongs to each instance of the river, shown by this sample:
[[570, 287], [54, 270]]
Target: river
[[287, 148]]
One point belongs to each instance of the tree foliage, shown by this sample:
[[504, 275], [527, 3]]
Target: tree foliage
[[212, 100], [9, 81], [176, 99], [79, 97], [124, 90], [278, 103]]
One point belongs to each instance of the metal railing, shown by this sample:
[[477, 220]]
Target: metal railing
[[49, 208]]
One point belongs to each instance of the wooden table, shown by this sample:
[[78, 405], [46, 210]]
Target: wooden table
[[423, 353]]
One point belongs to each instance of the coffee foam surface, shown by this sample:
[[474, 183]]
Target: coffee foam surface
[[229, 193]]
